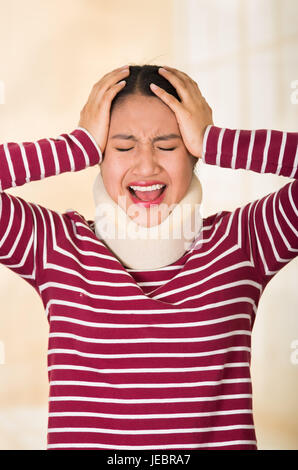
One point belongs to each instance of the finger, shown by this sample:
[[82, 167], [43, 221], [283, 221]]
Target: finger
[[110, 79], [180, 73], [118, 69], [115, 72], [167, 67], [175, 72], [183, 76], [166, 97], [112, 92], [168, 72], [181, 85], [98, 93]]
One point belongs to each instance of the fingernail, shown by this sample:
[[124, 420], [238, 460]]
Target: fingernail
[[152, 85], [162, 69]]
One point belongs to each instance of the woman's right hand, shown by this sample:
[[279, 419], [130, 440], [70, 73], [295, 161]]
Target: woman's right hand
[[95, 115]]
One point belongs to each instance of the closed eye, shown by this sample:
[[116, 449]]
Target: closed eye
[[160, 148]]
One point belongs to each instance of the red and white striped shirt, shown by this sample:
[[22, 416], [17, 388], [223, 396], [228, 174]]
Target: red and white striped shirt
[[150, 359]]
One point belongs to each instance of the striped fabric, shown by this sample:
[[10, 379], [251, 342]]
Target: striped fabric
[[150, 359]]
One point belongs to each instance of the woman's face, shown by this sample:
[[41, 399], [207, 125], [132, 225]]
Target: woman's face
[[144, 148]]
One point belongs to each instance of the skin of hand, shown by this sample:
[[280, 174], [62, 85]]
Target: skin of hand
[[193, 113], [95, 115]]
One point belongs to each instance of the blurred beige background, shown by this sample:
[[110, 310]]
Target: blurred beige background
[[244, 55]]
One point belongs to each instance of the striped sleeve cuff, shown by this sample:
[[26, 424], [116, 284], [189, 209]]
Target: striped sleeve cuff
[[262, 151], [89, 144], [31, 161]]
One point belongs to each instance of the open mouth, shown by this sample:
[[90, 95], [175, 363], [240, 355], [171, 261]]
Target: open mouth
[[150, 195]]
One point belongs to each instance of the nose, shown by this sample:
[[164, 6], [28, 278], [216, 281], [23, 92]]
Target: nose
[[146, 163]]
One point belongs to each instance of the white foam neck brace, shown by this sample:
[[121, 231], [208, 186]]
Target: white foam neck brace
[[140, 247]]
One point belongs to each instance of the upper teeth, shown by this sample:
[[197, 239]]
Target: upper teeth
[[148, 188]]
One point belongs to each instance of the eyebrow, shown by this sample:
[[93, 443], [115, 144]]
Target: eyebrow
[[155, 139]]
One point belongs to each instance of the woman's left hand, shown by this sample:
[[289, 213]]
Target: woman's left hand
[[193, 113]]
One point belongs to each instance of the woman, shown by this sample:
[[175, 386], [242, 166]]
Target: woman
[[149, 353]]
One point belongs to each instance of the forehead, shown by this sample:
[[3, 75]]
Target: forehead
[[143, 115]]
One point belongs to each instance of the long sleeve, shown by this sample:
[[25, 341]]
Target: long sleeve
[[21, 222], [267, 228]]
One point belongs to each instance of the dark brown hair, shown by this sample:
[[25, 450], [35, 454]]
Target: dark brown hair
[[138, 82]]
